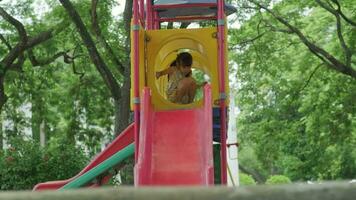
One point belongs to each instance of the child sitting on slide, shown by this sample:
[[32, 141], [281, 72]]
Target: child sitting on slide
[[181, 85]]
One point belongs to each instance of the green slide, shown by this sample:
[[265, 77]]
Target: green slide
[[103, 167]]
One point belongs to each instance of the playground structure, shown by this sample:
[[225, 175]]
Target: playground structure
[[171, 143]]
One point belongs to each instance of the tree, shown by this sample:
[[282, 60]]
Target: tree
[[18, 45], [296, 113], [24, 43], [331, 61], [119, 94], [68, 97]]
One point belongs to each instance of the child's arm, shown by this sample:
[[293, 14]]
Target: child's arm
[[169, 70]]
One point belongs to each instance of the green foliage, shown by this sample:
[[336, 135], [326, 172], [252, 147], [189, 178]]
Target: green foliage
[[127, 172], [25, 164], [297, 114], [60, 99], [59, 150], [278, 179], [246, 179], [71, 99], [298, 118], [198, 75]]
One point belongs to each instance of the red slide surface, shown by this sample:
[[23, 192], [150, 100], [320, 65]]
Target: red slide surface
[[124, 139], [175, 147]]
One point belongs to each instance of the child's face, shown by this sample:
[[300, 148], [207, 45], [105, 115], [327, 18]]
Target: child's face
[[184, 69]]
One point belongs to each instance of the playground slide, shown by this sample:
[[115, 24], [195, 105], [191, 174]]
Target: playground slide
[[175, 146], [174, 149], [123, 140]]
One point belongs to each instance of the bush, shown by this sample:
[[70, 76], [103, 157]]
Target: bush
[[25, 163], [20, 166], [62, 160], [246, 179], [278, 179]]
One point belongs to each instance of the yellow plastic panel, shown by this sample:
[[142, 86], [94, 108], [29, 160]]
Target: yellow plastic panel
[[162, 48], [142, 75]]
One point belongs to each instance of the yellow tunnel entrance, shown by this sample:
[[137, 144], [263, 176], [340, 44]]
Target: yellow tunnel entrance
[[160, 50]]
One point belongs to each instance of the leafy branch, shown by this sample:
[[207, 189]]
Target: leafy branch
[[330, 61], [95, 56], [346, 49], [348, 20], [15, 58], [97, 32], [8, 45], [310, 77]]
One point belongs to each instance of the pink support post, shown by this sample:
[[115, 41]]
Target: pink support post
[[136, 27], [149, 16], [142, 12], [177, 19], [191, 5], [156, 20], [221, 60]]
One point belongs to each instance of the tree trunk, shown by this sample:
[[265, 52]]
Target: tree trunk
[[35, 118], [126, 172], [73, 126], [2, 102], [1, 134], [122, 107], [43, 133], [3, 97]]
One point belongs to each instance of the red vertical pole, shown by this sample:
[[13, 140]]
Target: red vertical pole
[[156, 20], [142, 12], [149, 16], [135, 27], [221, 64]]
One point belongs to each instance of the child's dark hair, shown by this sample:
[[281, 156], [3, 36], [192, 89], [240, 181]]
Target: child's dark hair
[[173, 64], [185, 58]]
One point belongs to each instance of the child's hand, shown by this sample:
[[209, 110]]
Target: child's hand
[[158, 74], [202, 84]]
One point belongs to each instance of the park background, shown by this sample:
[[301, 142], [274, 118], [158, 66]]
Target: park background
[[292, 76]]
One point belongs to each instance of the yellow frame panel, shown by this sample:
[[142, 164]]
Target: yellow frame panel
[[161, 50], [142, 76]]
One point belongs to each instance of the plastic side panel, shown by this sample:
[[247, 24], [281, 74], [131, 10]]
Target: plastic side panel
[[141, 62], [143, 165], [176, 155], [181, 151], [205, 114], [100, 169], [124, 139]]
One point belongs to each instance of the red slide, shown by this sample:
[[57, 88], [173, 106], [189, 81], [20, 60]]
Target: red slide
[[175, 147], [123, 140]]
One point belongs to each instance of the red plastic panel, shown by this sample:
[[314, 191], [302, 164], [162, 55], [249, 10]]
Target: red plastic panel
[[175, 146]]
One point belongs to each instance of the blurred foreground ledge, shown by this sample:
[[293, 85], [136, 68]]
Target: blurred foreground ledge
[[325, 191]]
